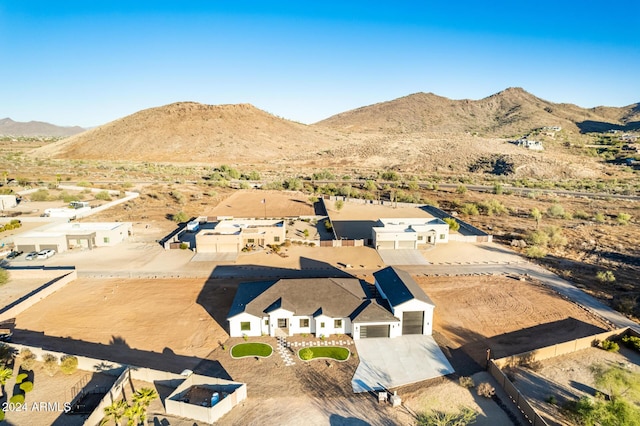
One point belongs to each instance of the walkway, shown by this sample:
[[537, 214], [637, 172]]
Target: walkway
[[285, 352], [390, 362]]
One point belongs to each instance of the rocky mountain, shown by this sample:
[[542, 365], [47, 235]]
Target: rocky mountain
[[8, 127]]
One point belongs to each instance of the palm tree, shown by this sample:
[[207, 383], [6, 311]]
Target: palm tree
[[142, 398], [5, 375], [114, 412], [135, 414]]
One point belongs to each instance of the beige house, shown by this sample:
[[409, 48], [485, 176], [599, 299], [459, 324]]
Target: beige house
[[65, 236], [409, 233], [231, 236]]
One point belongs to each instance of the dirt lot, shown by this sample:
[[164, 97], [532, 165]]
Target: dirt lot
[[160, 323], [367, 212], [507, 315], [248, 203], [568, 377]]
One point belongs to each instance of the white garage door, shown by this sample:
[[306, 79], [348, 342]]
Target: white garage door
[[227, 248], [406, 244], [384, 245]]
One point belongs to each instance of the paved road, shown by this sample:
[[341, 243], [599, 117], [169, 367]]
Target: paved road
[[548, 278]]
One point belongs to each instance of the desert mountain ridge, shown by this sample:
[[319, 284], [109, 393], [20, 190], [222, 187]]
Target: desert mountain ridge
[[9, 127], [407, 133]]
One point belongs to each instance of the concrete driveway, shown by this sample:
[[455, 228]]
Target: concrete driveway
[[402, 257], [388, 363]]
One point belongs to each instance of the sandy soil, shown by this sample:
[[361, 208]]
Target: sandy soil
[[248, 203], [355, 211], [455, 252], [301, 257], [102, 319], [17, 288], [507, 315]]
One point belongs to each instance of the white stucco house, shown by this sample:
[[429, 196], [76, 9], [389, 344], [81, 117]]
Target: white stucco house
[[409, 233], [8, 202], [231, 236], [65, 236], [328, 306]]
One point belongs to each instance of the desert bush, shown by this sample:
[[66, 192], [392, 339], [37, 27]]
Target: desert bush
[[599, 217], [17, 399], [605, 277], [555, 210], [486, 390], [581, 214], [536, 252], [40, 195], [632, 342], [328, 225], [339, 204], [461, 189], [83, 183], [466, 382], [497, 189], [306, 354], [184, 246], [491, 207], [462, 417], [453, 224], [50, 364], [103, 195], [623, 218], [26, 387], [538, 238], [610, 346], [178, 197], [67, 198], [180, 217], [68, 364], [27, 359], [469, 209], [556, 239], [20, 378]]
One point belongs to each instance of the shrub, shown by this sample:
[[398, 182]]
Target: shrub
[[632, 342], [605, 277], [555, 210], [20, 378], [69, 364], [184, 246], [466, 382], [40, 195], [599, 217], [610, 346], [536, 252], [469, 209], [486, 390], [461, 189], [453, 224], [305, 354], [492, 207], [339, 204], [50, 364], [538, 238], [103, 195], [26, 387], [623, 218], [465, 416], [17, 399], [180, 217], [497, 189], [328, 225], [245, 337], [581, 214]]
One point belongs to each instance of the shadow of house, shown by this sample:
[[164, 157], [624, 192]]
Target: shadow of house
[[354, 229]]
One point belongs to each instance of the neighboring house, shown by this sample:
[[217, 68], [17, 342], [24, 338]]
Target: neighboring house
[[628, 138], [235, 234], [409, 233], [65, 236], [552, 128], [8, 201], [327, 306], [530, 144]]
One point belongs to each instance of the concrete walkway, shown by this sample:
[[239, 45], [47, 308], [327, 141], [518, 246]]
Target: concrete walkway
[[387, 363]]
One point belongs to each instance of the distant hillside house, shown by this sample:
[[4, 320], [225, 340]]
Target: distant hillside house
[[231, 236], [530, 144], [552, 128], [328, 306], [8, 201], [628, 138], [409, 233], [65, 236]]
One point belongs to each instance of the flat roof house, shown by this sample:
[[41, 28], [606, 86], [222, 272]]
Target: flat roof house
[[64, 236], [326, 306], [231, 236], [409, 233]]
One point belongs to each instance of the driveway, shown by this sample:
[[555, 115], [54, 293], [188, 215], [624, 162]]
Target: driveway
[[402, 257], [390, 362]]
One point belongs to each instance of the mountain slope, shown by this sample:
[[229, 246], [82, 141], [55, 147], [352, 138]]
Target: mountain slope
[[192, 132], [505, 114], [8, 127]]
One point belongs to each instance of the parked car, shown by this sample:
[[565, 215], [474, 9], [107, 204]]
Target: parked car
[[31, 255], [14, 254], [45, 254]]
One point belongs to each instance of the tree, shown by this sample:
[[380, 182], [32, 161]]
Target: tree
[[5, 375], [605, 277], [143, 398], [339, 205], [618, 382], [135, 414], [180, 217], [453, 224], [114, 412]]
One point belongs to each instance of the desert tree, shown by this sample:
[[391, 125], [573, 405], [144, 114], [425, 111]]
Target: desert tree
[[115, 412]]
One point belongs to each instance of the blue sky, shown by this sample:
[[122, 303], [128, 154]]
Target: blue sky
[[92, 61]]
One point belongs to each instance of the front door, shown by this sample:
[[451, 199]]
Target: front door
[[283, 323]]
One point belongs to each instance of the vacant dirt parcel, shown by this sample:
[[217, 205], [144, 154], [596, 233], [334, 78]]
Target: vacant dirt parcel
[[503, 314], [159, 323], [249, 203]]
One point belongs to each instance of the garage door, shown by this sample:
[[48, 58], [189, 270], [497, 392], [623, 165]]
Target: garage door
[[227, 248], [26, 247], [412, 322], [367, 331], [406, 244], [385, 245], [53, 247]]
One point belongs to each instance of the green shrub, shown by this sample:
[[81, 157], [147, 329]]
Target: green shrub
[[581, 214], [462, 417], [103, 195], [328, 225], [599, 217], [556, 210], [20, 378], [180, 217], [40, 195], [461, 189], [453, 224], [306, 354], [50, 364], [17, 399], [26, 387], [469, 209], [69, 364], [339, 204], [184, 246], [632, 342], [605, 277], [610, 346], [466, 382], [623, 218], [535, 252]]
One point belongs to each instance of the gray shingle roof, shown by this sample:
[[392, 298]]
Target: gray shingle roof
[[399, 287], [372, 311]]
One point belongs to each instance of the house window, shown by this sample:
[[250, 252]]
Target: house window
[[337, 323], [443, 236], [106, 239], [251, 241], [245, 326], [304, 322], [321, 325], [266, 322], [276, 239], [420, 237]]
